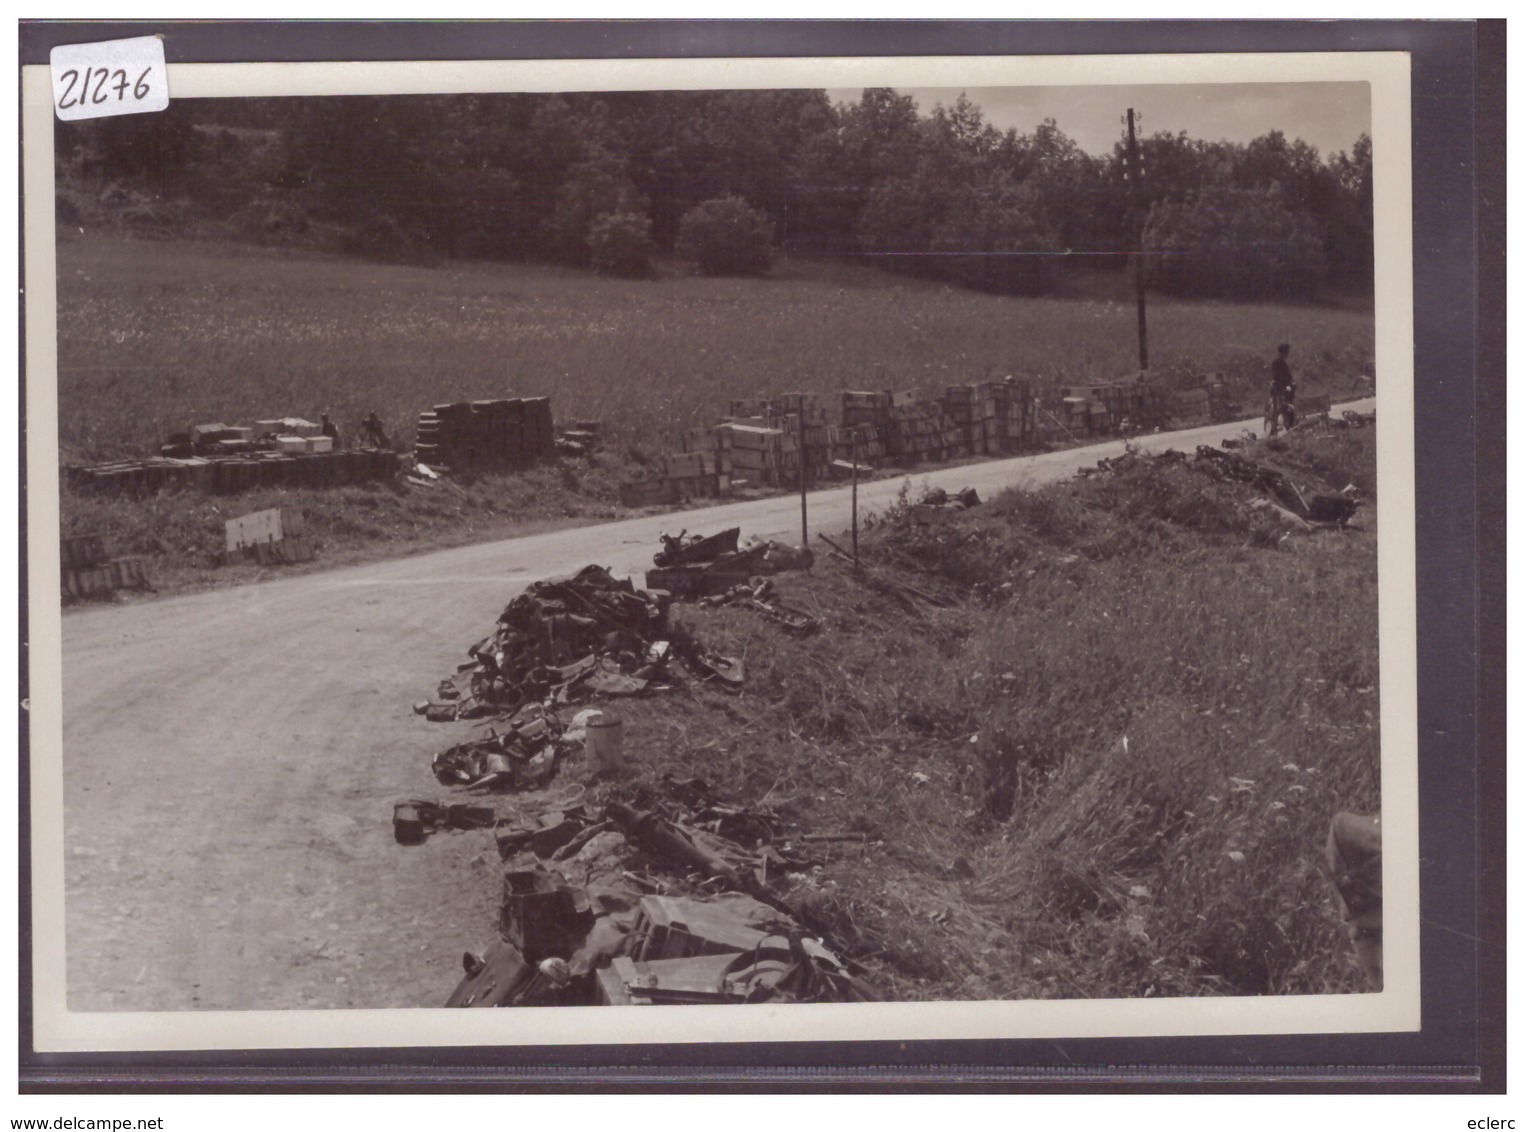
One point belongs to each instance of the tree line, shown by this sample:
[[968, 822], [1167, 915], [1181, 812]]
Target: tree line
[[608, 180]]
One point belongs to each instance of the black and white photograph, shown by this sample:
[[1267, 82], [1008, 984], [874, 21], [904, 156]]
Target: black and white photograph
[[872, 548]]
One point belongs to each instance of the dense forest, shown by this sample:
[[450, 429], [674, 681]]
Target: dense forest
[[615, 181]]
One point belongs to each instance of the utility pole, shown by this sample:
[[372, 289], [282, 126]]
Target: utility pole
[[1135, 175]]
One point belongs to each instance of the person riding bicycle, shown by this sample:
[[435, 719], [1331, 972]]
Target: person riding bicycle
[[1283, 390]]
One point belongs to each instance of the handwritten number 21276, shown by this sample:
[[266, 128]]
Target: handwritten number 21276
[[100, 76]]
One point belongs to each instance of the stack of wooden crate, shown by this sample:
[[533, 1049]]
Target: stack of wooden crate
[[921, 431], [973, 409], [871, 411], [713, 445], [1223, 404], [233, 474], [1190, 405], [493, 435], [804, 416], [1153, 407], [87, 571], [1014, 414], [760, 454], [855, 441]]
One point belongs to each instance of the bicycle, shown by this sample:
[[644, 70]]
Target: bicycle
[[1280, 414]]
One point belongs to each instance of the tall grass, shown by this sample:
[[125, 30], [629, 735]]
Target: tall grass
[[1241, 669], [156, 334]]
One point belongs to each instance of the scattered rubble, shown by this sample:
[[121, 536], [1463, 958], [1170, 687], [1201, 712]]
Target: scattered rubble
[[563, 640], [1322, 509], [758, 594], [653, 902], [1286, 500], [695, 566], [958, 501]]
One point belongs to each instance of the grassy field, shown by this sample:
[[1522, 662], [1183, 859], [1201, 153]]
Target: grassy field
[[155, 335], [1024, 847]]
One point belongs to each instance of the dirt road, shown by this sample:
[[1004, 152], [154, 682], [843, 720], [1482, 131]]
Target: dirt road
[[231, 760]]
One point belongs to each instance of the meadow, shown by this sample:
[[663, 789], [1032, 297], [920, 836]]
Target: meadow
[[154, 335]]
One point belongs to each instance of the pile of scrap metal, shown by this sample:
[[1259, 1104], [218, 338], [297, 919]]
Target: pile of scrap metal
[[524, 755], [564, 640], [759, 594], [937, 505], [1133, 458], [414, 821], [696, 566], [1310, 511], [1321, 509], [583, 922], [956, 501]]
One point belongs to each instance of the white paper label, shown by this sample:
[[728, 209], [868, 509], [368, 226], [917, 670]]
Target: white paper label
[[99, 80]]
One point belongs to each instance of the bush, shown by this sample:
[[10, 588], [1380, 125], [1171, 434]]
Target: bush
[[995, 245], [620, 244], [726, 236], [1233, 244]]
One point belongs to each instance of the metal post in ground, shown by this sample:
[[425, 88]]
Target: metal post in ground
[[855, 493], [804, 518]]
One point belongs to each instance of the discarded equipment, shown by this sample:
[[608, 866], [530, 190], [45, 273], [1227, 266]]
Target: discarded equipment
[[697, 566], [87, 570], [278, 535], [578, 925], [565, 640], [604, 744]]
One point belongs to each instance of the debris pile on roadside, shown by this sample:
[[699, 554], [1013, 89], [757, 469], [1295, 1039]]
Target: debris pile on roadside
[[669, 894], [1307, 511], [760, 595], [521, 756], [564, 640], [698, 566], [1319, 509], [655, 901]]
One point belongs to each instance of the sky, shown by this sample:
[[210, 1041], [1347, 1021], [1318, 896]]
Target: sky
[[1329, 116]]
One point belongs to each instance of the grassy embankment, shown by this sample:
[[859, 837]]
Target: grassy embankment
[[1024, 850], [156, 335]]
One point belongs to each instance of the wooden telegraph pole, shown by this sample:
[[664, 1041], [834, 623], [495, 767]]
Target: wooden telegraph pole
[[1135, 174]]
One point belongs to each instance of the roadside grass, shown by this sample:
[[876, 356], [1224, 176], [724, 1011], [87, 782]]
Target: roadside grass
[[154, 335], [181, 534], [1023, 849]]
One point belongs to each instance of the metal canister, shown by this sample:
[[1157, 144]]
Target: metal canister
[[605, 741]]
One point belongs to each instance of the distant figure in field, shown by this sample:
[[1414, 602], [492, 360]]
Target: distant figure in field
[[374, 435], [330, 430], [1283, 390]]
